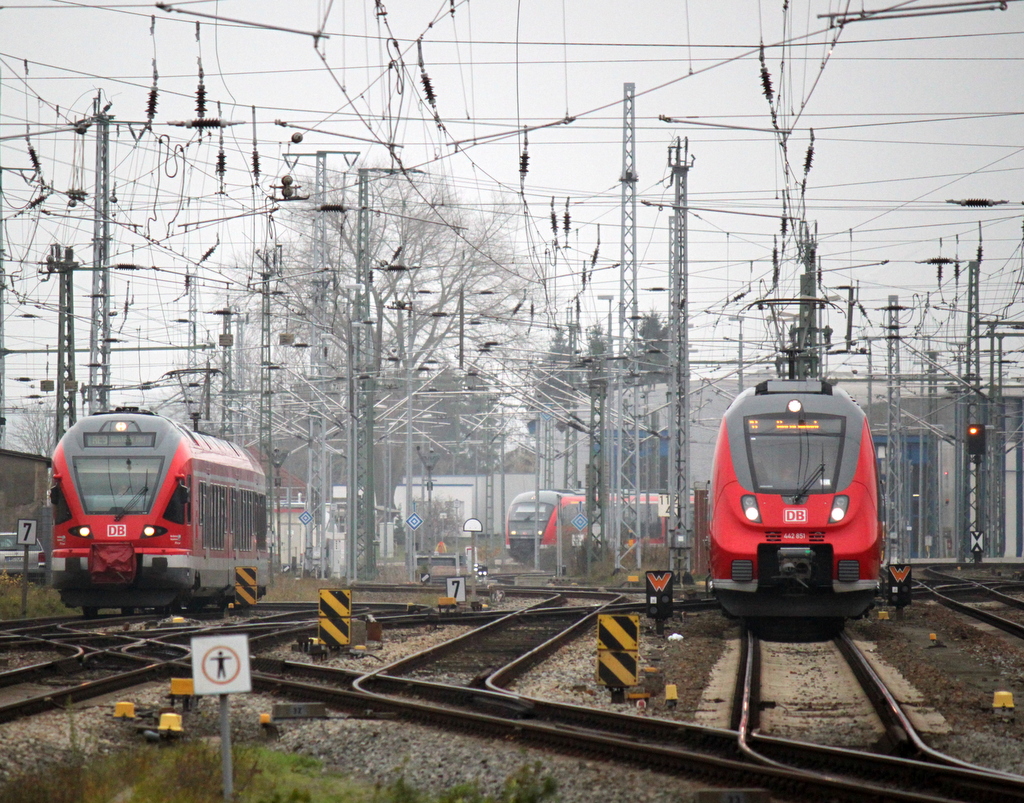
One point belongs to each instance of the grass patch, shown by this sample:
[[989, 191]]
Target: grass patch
[[41, 600], [190, 772]]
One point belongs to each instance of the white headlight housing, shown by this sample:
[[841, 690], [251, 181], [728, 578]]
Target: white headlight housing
[[840, 504], [750, 509]]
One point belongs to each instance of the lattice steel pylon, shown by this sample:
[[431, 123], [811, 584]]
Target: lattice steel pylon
[[626, 482], [98, 390], [318, 495], [62, 262], [571, 464], [973, 408], [597, 486], [361, 497], [895, 504], [270, 269], [679, 526]]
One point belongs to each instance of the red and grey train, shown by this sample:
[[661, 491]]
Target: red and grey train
[[795, 527], [149, 514], [531, 519]]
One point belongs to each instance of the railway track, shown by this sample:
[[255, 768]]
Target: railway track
[[907, 762], [465, 690]]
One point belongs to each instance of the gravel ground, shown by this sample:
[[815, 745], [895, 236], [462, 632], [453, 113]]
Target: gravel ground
[[957, 678]]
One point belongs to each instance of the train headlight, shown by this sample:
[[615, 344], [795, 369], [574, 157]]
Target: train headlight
[[81, 532], [839, 507], [794, 406], [151, 531], [750, 509]]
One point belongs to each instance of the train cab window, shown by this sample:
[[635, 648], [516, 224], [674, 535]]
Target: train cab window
[[118, 485], [530, 513], [61, 510], [177, 507], [794, 455]]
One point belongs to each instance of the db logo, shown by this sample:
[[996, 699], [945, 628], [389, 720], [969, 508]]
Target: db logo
[[794, 515], [117, 530]]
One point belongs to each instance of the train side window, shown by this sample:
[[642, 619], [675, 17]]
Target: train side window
[[206, 515], [220, 525], [177, 507], [243, 529], [261, 521], [61, 510]]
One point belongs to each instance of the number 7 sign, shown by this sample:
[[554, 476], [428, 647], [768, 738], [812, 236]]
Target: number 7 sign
[[456, 587], [27, 532]]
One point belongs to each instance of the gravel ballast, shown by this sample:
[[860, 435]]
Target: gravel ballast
[[956, 679]]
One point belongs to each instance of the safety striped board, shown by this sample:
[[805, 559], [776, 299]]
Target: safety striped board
[[618, 631], [246, 593], [334, 616], [335, 603], [335, 632], [617, 668]]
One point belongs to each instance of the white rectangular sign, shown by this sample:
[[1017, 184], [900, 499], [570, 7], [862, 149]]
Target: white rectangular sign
[[27, 532], [220, 664], [456, 587]]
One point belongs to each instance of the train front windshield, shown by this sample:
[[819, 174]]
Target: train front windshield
[[527, 514], [793, 455], [117, 485]]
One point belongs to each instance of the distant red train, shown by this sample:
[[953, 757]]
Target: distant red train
[[149, 514], [531, 518], [795, 528]]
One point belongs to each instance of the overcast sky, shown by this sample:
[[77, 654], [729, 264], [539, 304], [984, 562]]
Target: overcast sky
[[907, 114]]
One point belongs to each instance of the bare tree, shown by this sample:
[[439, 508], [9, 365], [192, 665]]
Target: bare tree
[[31, 429]]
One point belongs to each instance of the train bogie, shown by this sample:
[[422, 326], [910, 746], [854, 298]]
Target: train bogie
[[794, 523]]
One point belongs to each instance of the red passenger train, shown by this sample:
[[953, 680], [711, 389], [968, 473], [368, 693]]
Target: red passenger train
[[531, 519], [149, 514], [795, 528]]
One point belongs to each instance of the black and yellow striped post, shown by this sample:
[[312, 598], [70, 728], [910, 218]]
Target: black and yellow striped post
[[334, 615], [246, 593], [618, 649]]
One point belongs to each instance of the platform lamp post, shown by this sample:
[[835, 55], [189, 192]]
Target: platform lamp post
[[472, 526]]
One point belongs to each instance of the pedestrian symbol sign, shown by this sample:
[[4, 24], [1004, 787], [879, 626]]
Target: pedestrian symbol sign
[[220, 664]]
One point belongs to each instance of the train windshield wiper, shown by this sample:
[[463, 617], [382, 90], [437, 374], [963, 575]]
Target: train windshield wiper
[[131, 502], [817, 474]]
